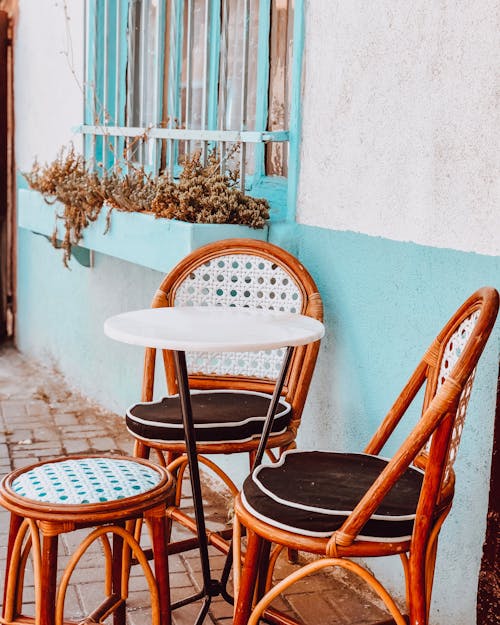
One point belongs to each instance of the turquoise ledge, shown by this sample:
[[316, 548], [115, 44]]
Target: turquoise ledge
[[139, 238]]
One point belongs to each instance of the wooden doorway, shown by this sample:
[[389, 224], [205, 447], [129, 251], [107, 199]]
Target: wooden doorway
[[7, 181]]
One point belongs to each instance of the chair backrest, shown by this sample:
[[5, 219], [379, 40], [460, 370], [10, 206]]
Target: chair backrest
[[246, 273], [447, 372]]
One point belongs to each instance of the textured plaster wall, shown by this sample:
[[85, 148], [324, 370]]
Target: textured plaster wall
[[47, 78], [400, 121]]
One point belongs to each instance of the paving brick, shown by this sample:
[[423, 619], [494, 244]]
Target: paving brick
[[176, 564], [220, 609], [19, 436], [64, 419], [90, 595], [38, 409], [72, 605], [79, 431], [46, 434], [139, 616], [12, 409], [19, 463], [187, 615], [77, 445], [180, 579], [324, 612], [103, 443]]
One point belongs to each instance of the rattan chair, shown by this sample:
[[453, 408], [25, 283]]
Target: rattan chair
[[106, 494], [231, 391], [343, 506]]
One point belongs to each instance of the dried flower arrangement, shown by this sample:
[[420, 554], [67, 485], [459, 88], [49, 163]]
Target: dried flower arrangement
[[202, 194]]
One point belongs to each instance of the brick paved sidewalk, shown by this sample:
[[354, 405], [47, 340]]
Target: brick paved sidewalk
[[40, 417]]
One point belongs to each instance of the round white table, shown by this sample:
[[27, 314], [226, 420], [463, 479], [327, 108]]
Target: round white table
[[213, 329]]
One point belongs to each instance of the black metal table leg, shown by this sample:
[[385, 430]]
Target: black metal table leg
[[212, 587], [271, 411]]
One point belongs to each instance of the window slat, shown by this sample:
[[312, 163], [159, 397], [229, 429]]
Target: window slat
[[262, 89], [178, 134]]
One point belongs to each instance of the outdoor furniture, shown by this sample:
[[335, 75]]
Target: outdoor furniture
[[212, 330], [234, 390], [66, 494], [341, 506]]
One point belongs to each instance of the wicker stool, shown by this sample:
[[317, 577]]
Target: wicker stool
[[66, 494]]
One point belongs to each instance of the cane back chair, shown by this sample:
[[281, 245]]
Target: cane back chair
[[344, 506], [231, 391]]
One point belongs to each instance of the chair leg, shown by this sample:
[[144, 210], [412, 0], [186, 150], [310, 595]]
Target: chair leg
[[170, 456], [292, 555], [251, 458], [263, 570], [430, 565], [159, 528], [141, 450], [417, 591], [243, 607]]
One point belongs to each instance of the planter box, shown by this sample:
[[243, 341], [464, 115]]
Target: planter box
[[136, 237]]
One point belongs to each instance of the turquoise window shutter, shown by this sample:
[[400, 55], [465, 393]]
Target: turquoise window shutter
[[176, 115]]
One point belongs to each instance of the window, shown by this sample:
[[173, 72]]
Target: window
[[167, 78]]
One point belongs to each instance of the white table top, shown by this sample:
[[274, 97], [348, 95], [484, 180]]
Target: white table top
[[213, 329]]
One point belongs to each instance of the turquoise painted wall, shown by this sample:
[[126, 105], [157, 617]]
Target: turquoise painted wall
[[384, 302], [60, 316]]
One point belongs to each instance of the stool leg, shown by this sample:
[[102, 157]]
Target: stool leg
[[48, 580], [119, 614], [12, 586], [157, 521]]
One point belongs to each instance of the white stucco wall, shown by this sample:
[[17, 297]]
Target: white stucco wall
[[400, 121], [48, 78]]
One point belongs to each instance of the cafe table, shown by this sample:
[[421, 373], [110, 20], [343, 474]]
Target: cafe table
[[213, 329]]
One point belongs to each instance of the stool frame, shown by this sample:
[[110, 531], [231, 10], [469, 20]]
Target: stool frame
[[35, 528]]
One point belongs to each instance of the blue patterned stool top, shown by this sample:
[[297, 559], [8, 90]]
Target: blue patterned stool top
[[85, 481]]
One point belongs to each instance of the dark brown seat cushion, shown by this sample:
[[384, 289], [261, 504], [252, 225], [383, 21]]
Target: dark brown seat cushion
[[219, 417], [313, 492]]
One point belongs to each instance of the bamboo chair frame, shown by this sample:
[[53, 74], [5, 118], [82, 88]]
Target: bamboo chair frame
[[441, 405], [35, 528], [296, 384]]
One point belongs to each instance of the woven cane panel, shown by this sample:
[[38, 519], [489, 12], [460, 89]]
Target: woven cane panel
[[89, 480], [459, 424], [246, 281], [451, 354], [455, 347]]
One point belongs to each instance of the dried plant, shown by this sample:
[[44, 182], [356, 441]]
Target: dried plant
[[68, 181], [204, 193]]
